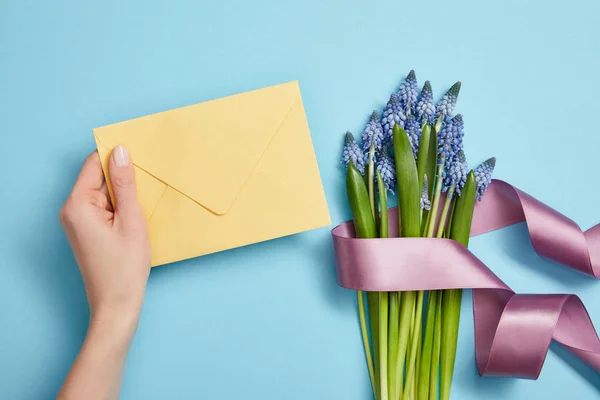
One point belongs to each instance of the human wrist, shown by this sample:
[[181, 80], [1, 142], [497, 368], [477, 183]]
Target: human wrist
[[118, 323]]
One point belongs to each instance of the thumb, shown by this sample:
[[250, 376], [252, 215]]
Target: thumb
[[122, 179]]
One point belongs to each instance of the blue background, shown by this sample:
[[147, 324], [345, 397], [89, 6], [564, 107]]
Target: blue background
[[268, 321]]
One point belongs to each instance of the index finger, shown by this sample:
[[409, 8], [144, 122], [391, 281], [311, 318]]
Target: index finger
[[91, 175]]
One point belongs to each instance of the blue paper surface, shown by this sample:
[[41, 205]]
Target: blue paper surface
[[268, 321]]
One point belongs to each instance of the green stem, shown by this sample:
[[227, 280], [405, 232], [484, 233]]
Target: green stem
[[365, 336], [443, 218], [410, 390], [415, 339], [383, 338], [407, 307], [383, 219], [394, 321], [435, 353], [451, 303], [412, 318], [427, 362], [419, 351], [436, 199], [426, 356], [373, 309], [425, 219]]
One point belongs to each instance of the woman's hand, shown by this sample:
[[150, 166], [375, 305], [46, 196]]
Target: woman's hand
[[111, 246], [110, 242]]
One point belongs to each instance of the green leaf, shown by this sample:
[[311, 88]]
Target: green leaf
[[358, 197], [371, 175], [409, 225], [463, 212], [430, 172], [432, 159], [366, 178], [408, 185], [449, 224], [364, 225]]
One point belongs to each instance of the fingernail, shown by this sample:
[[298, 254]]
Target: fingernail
[[121, 156]]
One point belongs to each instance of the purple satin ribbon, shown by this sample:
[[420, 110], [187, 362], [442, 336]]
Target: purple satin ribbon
[[512, 331]]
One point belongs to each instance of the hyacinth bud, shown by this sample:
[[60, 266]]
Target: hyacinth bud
[[425, 107], [373, 133], [409, 92], [425, 203], [483, 175], [387, 169], [450, 138], [353, 154], [413, 130], [456, 174], [392, 114], [446, 105]]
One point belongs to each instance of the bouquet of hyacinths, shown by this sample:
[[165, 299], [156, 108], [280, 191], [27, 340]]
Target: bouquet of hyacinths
[[415, 147]]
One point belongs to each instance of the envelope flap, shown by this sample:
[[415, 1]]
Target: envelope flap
[[206, 151]]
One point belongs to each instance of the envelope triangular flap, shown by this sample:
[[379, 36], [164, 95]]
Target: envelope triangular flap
[[206, 151]]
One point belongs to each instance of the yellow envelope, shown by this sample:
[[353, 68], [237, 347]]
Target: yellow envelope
[[222, 174]]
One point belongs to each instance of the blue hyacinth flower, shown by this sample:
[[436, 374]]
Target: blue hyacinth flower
[[387, 169], [445, 107], [373, 134], [450, 138], [392, 115], [425, 202], [353, 154], [409, 92], [483, 176], [456, 174], [426, 107]]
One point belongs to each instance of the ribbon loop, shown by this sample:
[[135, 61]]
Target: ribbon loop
[[512, 331]]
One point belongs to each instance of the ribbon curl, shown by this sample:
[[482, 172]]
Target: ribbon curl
[[512, 331]]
